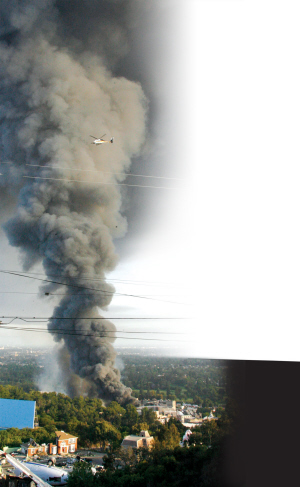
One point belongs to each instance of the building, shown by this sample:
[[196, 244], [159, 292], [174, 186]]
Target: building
[[210, 417], [32, 448], [163, 409], [158, 404], [17, 413], [65, 443], [144, 440], [52, 449]]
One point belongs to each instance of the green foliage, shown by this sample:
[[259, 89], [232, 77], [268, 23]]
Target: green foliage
[[113, 413], [81, 475], [137, 428], [95, 425], [208, 434], [172, 467], [167, 437], [148, 416], [108, 461], [57, 411], [14, 437], [17, 375], [105, 432], [187, 380], [131, 416], [180, 427]]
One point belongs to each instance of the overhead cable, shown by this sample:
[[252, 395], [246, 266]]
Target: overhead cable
[[127, 332], [24, 318], [89, 288], [90, 335], [122, 281], [102, 172], [101, 183]]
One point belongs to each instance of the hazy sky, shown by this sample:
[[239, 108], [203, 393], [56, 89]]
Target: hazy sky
[[224, 81]]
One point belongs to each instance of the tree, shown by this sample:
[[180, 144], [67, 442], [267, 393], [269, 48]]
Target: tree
[[81, 475], [47, 422], [195, 439], [113, 413], [148, 416], [108, 461], [167, 437], [209, 432], [207, 403], [128, 456], [181, 428], [72, 426], [131, 416], [104, 432], [137, 428], [3, 439], [198, 401]]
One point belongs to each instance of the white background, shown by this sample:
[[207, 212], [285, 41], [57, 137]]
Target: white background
[[244, 107], [229, 245]]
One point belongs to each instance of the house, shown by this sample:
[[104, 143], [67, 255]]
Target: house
[[144, 440], [65, 443], [32, 448], [52, 449]]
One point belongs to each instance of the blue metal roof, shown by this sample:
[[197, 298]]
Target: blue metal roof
[[16, 413]]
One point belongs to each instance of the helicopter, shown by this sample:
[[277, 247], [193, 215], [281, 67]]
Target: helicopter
[[100, 140]]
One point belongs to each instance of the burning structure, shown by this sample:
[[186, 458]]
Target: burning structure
[[61, 195]]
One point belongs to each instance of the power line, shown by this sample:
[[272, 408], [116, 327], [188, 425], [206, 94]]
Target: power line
[[125, 281], [92, 335], [88, 288], [106, 184], [70, 294], [102, 172], [24, 318], [18, 326]]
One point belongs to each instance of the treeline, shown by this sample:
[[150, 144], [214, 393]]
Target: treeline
[[87, 418], [19, 375], [189, 380], [178, 467], [98, 426], [198, 463]]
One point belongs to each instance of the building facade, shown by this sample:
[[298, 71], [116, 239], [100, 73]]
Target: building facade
[[144, 440], [65, 443], [32, 448]]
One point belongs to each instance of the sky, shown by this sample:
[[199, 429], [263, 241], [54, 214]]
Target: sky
[[220, 251]]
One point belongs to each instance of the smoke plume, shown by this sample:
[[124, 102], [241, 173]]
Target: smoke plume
[[56, 90]]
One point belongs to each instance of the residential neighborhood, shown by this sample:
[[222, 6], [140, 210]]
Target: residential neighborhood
[[108, 436]]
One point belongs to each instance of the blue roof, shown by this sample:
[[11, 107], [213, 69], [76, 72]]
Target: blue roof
[[16, 413]]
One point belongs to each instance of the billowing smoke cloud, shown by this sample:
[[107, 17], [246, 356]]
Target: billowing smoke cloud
[[54, 94]]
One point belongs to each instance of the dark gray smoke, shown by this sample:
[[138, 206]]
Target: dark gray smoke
[[57, 88]]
